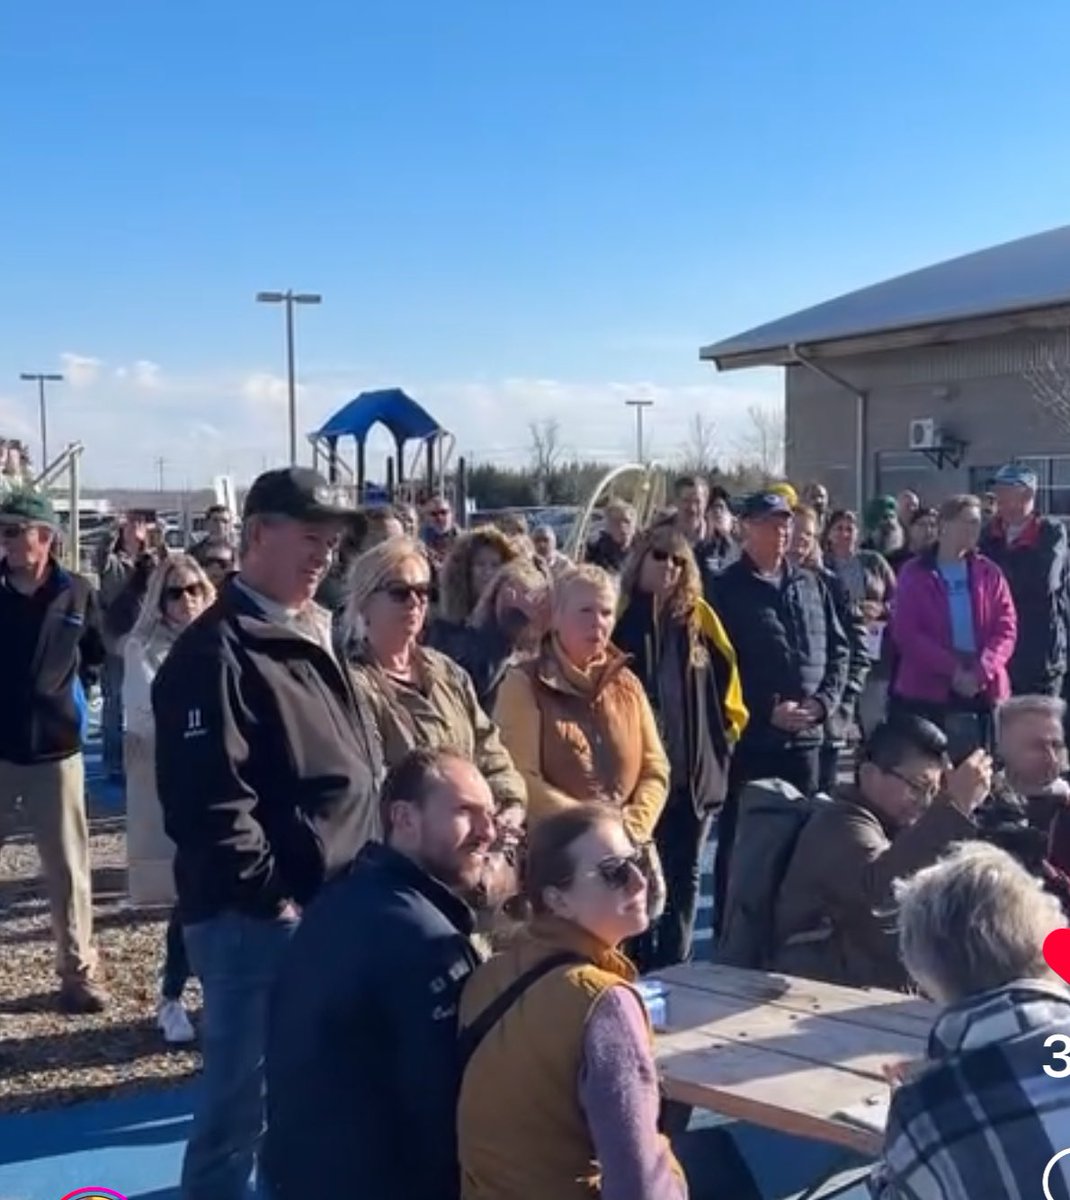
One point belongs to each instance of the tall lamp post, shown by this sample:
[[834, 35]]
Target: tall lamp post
[[290, 298], [639, 405], [41, 378]]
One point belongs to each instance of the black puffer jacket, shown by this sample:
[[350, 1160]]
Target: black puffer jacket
[[1037, 567], [790, 643]]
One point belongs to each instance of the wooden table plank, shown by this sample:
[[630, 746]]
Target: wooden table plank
[[785, 1053], [869, 1007], [766, 1089], [813, 1038]]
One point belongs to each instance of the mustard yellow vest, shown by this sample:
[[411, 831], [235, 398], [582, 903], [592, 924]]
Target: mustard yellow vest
[[522, 1133]]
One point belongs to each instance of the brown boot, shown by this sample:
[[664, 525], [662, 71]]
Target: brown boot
[[79, 996]]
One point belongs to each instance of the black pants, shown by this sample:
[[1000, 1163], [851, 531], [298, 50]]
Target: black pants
[[679, 837], [176, 971], [797, 765]]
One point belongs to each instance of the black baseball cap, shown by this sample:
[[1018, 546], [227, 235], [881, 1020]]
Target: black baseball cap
[[296, 492], [765, 504]]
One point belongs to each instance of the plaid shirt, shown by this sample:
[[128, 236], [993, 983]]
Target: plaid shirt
[[982, 1120]]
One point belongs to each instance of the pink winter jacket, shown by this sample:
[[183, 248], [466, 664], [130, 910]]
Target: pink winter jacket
[[921, 630]]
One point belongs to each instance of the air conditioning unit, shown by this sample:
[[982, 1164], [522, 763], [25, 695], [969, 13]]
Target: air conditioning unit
[[924, 434]]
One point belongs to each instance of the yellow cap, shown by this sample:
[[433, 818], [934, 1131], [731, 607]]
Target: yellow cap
[[785, 490]]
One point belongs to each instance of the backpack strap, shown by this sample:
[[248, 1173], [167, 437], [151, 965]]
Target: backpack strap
[[471, 1036]]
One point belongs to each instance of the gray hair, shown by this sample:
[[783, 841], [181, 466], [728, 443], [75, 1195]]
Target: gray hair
[[975, 921], [1021, 706]]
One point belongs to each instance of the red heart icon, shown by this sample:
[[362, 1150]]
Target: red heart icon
[[1057, 952]]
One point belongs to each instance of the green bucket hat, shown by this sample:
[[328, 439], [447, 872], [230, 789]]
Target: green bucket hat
[[27, 508]]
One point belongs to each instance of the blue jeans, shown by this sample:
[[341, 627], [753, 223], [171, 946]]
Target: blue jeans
[[111, 718], [236, 959]]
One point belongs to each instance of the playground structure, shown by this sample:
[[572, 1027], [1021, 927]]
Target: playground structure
[[430, 467]]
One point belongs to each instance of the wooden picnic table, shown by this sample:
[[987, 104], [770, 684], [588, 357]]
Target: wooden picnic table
[[785, 1053]]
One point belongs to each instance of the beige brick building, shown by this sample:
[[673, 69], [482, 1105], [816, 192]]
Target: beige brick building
[[931, 380]]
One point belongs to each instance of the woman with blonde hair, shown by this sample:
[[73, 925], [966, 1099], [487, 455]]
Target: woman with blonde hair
[[178, 592], [681, 653], [418, 696], [507, 626], [577, 721]]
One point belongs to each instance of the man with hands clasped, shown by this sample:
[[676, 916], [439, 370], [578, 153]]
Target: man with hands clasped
[[793, 656]]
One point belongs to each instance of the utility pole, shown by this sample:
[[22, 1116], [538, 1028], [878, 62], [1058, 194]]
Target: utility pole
[[160, 464], [290, 298], [639, 405], [41, 378]]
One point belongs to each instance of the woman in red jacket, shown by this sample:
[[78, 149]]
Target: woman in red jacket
[[954, 627]]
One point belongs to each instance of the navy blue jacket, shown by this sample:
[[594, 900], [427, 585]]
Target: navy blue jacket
[[51, 650], [1038, 572], [362, 1067], [790, 643]]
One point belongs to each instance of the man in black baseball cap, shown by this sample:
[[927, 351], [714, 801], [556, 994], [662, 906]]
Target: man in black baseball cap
[[296, 492], [268, 768]]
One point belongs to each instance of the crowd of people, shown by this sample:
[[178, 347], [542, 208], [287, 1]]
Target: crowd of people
[[425, 801]]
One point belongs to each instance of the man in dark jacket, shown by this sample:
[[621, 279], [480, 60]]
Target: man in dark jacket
[[793, 658], [362, 1063], [1031, 551], [267, 768], [51, 647], [610, 548]]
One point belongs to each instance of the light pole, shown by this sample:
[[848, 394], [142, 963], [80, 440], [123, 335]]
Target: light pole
[[290, 298], [639, 405], [41, 378]]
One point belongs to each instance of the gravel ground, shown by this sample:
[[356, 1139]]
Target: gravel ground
[[47, 1058]]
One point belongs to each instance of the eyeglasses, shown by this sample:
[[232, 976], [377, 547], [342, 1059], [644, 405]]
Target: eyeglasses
[[178, 591], [616, 871], [11, 532], [925, 792], [402, 593], [678, 560], [224, 564], [440, 512]]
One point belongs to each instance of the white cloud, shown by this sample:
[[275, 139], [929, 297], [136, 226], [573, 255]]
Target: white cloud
[[262, 389], [234, 421], [146, 374], [81, 370]]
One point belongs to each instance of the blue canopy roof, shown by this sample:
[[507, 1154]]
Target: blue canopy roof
[[390, 407]]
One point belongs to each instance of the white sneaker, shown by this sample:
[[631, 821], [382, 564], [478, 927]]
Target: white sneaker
[[174, 1022]]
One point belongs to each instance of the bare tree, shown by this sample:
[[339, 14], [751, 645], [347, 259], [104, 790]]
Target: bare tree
[[762, 443], [699, 455], [546, 454], [1049, 381]]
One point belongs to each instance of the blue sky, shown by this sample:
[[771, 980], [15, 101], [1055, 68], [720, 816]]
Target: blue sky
[[515, 210]]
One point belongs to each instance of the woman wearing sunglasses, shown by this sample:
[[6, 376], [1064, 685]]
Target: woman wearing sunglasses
[[419, 697], [178, 592], [679, 649], [559, 1096]]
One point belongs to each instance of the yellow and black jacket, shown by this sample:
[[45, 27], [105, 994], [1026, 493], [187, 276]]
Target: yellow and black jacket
[[703, 689]]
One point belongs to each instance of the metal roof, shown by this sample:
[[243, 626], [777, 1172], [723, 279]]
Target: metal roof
[[1028, 275]]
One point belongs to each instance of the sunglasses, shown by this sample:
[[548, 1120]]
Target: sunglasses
[[224, 564], [402, 593], [11, 532], [616, 872], [661, 556], [176, 593]]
